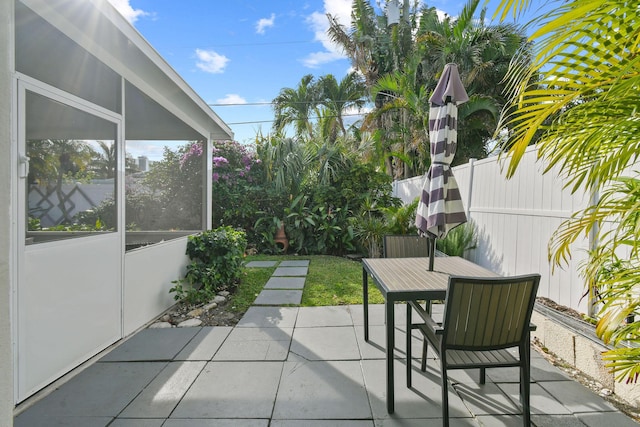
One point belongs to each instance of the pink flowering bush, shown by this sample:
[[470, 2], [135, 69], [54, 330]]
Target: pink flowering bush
[[239, 190]]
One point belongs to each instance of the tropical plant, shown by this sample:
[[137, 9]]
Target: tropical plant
[[285, 162], [216, 264], [401, 65], [482, 53], [583, 108], [401, 219], [458, 241]]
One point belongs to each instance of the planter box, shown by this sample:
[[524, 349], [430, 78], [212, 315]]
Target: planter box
[[575, 342]]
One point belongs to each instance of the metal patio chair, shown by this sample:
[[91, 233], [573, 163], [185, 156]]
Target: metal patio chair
[[404, 246], [484, 321]]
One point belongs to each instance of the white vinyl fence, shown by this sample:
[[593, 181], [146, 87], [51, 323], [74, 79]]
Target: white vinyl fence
[[514, 221]]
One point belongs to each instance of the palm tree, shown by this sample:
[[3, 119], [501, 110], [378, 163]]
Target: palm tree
[[482, 53], [105, 161], [295, 107], [367, 42], [375, 49], [408, 106], [338, 97], [55, 160], [584, 112]]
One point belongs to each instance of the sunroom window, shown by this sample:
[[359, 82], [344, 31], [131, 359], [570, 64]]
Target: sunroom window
[[71, 182]]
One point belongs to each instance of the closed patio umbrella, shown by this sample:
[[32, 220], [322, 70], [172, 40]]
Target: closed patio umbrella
[[440, 207]]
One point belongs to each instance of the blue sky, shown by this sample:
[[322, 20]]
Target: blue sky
[[241, 53]]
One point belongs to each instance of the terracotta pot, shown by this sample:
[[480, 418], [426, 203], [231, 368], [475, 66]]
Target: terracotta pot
[[281, 239]]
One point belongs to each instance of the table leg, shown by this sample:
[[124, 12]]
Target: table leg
[[389, 316], [365, 302]]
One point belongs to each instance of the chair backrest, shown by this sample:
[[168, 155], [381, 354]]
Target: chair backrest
[[405, 246], [488, 313]]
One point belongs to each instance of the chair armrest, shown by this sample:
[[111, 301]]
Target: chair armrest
[[436, 328]]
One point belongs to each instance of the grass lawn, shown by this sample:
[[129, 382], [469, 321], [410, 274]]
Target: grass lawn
[[330, 281]]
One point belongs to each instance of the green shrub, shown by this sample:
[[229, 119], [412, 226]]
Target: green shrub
[[216, 260], [460, 239]]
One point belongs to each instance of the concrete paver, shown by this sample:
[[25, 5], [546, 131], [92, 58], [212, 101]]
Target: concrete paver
[[216, 423], [421, 401], [232, 390], [324, 316], [102, 391], [322, 390], [285, 283], [256, 344], [161, 396], [292, 366], [261, 264], [322, 423], [152, 345], [609, 419], [137, 422], [205, 344], [295, 263], [305, 389], [576, 397], [274, 317], [325, 343], [291, 271], [278, 297]]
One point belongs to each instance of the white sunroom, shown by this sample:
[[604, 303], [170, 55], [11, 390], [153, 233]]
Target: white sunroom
[[88, 249]]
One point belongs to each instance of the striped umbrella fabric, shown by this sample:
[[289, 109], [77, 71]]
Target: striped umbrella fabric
[[440, 207]]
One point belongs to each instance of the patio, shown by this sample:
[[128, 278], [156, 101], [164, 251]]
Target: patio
[[296, 366]]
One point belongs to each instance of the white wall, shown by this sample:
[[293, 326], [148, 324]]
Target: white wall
[[6, 207], [148, 273], [515, 219]]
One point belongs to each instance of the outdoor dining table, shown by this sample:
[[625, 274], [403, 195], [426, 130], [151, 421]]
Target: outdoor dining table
[[408, 279]]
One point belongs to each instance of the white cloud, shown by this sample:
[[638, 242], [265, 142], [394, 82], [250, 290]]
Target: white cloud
[[210, 61], [231, 98], [319, 24], [316, 59], [127, 11], [265, 23], [339, 8]]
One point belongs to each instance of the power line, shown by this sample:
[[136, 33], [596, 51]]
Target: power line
[[251, 123], [261, 44], [240, 104], [310, 118]]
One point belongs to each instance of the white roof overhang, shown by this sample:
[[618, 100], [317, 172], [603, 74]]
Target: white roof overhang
[[159, 103]]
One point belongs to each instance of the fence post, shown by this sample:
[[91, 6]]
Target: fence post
[[472, 163]]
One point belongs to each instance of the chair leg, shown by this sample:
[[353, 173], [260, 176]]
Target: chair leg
[[409, 331], [425, 346], [525, 386], [483, 375], [445, 390]]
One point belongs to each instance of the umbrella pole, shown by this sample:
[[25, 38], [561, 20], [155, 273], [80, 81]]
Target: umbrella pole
[[432, 252]]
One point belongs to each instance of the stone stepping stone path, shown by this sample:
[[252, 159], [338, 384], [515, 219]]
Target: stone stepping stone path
[[261, 264], [286, 283]]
